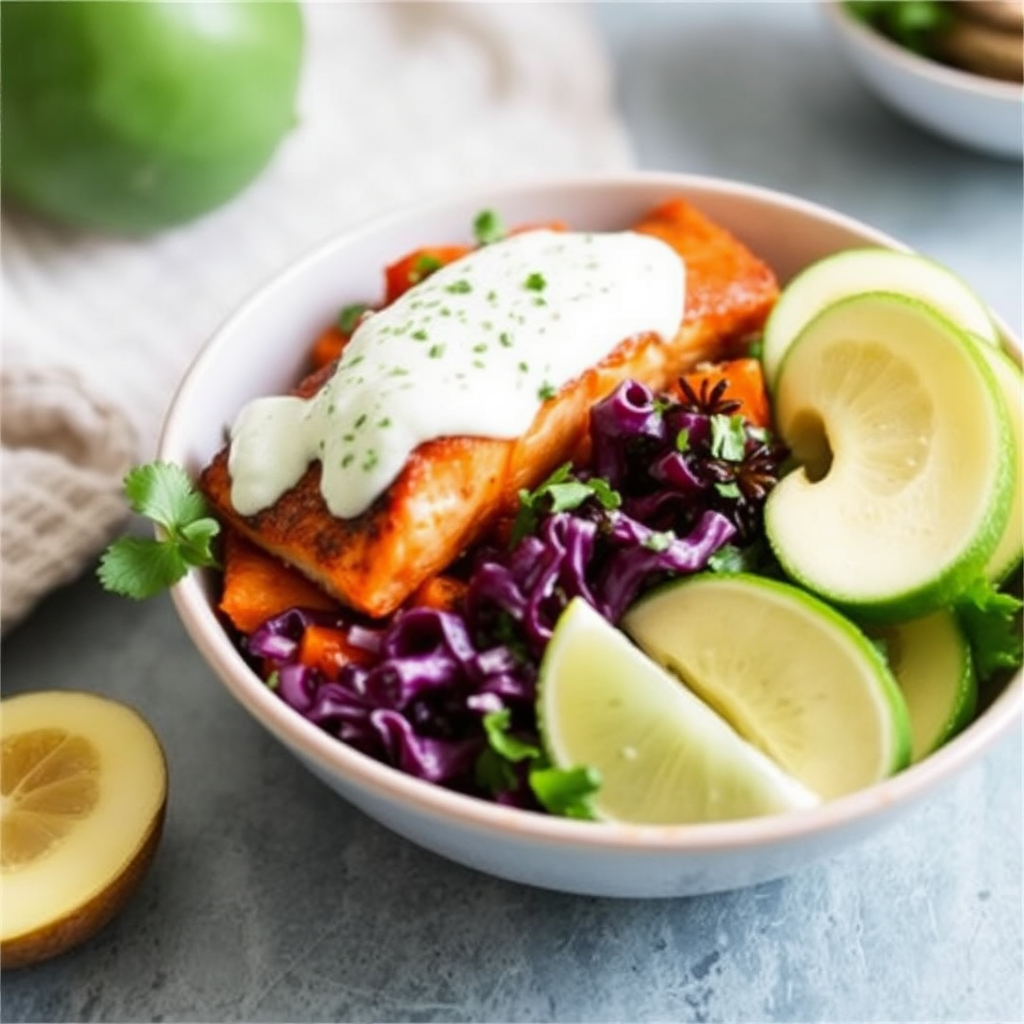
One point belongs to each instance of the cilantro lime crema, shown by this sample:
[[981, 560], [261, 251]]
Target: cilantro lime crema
[[473, 350]]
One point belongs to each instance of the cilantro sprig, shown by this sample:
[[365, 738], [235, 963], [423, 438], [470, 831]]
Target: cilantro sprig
[[991, 619], [488, 227], [561, 791], [140, 567], [562, 491]]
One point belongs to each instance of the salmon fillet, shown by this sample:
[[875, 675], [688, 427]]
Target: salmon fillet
[[453, 489]]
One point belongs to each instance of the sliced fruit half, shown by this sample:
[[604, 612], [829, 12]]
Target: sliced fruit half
[[663, 756], [83, 787], [795, 678], [905, 456], [869, 269], [931, 660]]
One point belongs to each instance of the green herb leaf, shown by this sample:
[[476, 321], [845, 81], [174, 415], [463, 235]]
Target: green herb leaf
[[423, 266], [728, 437], [488, 227], [535, 282], [493, 773], [496, 725], [566, 791], [730, 558], [914, 24], [991, 620], [562, 491], [140, 567], [162, 491], [349, 317], [660, 540]]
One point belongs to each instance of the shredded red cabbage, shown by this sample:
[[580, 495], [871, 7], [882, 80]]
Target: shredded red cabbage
[[677, 485]]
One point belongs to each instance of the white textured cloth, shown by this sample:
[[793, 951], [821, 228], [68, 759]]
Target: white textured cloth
[[398, 101]]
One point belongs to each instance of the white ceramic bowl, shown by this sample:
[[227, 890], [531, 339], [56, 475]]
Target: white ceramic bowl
[[260, 350], [983, 114]]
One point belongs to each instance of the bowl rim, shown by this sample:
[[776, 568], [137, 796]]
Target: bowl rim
[[424, 799], [943, 75]]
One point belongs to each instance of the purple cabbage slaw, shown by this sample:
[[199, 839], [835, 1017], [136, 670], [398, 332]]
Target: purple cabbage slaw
[[673, 487]]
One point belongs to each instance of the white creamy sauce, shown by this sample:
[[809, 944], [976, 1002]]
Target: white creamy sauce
[[474, 350]]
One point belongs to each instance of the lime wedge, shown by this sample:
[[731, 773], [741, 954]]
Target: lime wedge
[[854, 271], [794, 677], [1010, 549], [931, 660], [663, 756], [906, 459]]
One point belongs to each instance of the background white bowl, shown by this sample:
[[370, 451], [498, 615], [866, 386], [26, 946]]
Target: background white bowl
[[261, 350], [980, 113]]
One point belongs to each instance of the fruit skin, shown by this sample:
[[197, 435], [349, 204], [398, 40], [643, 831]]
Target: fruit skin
[[130, 117], [53, 939]]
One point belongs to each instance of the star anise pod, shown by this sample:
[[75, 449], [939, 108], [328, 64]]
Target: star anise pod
[[707, 400], [749, 480], [758, 473]]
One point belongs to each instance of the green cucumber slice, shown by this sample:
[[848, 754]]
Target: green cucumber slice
[[1009, 551], [931, 659], [869, 269], [905, 453]]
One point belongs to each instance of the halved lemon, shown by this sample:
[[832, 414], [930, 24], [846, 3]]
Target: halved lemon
[[83, 788], [663, 756], [796, 679], [906, 457], [869, 269], [931, 660]]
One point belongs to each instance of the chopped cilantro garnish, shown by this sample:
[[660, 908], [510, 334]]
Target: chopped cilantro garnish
[[496, 725], [423, 266], [728, 437], [535, 282], [488, 228], [349, 317], [546, 391], [566, 791], [460, 287], [730, 558], [562, 491], [659, 541]]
